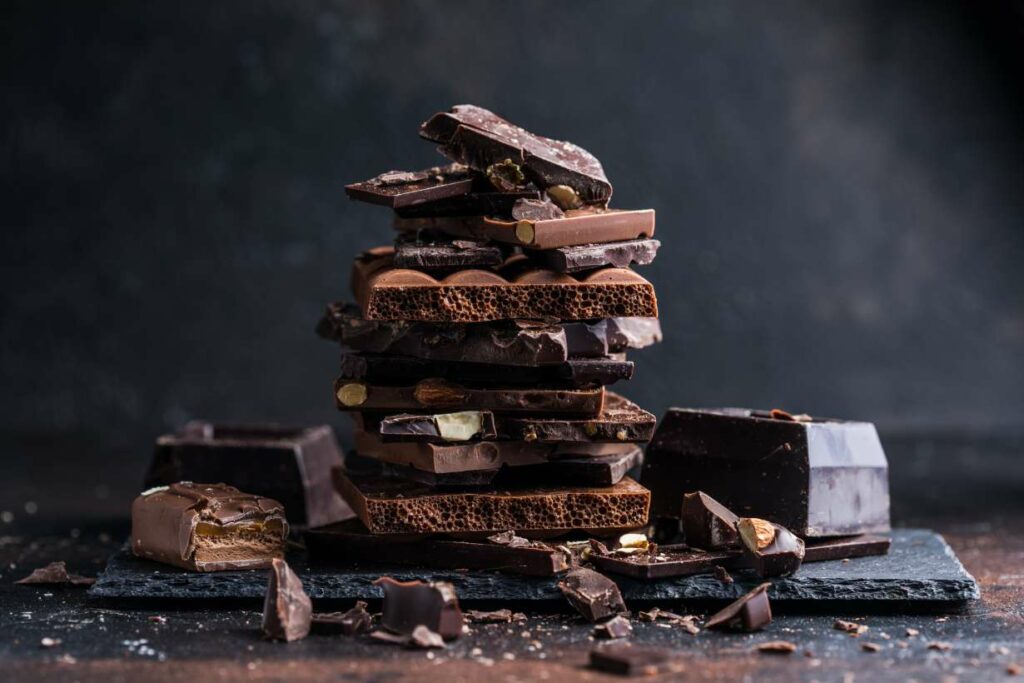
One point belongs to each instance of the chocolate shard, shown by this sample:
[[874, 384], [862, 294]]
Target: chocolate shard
[[287, 610], [667, 561], [593, 595], [353, 622], [751, 612], [432, 254], [616, 627], [464, 425], [822, 550], [827, 477], [399, 189], [288, 464], [573, 259], [394, 506], [480, 138], [625, 660], [207, 527], [771, 549], [620, 420], [708, 524], [55, 573], [409, 604], [535, 210]]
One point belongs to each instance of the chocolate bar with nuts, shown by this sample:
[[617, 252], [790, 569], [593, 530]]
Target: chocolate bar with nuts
[[409, 604], [399, 189], [770, 549]]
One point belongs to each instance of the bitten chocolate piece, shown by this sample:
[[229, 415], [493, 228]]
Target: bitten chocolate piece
[[421, 252], [627, 660], [290, 465], [593, 595], [480, 139], [619, 420], [433, 394], [707, 523], [207, 527], [752, 612], [590, 256], [817, 478], [388, 293], [353, 622], [395, 506], [577, 227], [399, 189], [287, 610], [408, 604], [771, 550]]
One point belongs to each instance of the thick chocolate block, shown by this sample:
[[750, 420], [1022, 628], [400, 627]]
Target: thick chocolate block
[[428, 253], [207, 527], [432, 394], [480, 139], [399, 189], [394, 506], [590, 256], [816, 477], [290, 465], [388, 293]]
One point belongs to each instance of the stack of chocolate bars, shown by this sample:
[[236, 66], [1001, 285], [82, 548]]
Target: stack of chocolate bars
[[478, 352]]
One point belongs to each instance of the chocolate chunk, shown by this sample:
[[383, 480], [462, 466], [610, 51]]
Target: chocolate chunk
[[464, 425], [535, 210], [399, 189], [432, 394], [619, 420], [408, 604], [423, 638], [752, 612], [611, 335], [575, 228], [287, 610], [575, 372], [624, 660], [290, 465], [482, 201], [388, 293], [589, 256], [351, 542], [55, 573], [616, 627], [394, 506], [821, 550], [722, 575], [479, 138], [777, 647], [707, 523], [353, 622], [771, 549], [207, 527], [500, 616], [441, 254], [818, 479], [668, 561], [593, 595]]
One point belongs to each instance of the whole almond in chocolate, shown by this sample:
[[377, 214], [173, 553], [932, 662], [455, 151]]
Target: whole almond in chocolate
[[708, 524], [752, 612], [772, 550], [409, 604], [594, 595], [287, 610]]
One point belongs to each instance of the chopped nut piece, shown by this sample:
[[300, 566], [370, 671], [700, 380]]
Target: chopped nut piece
[[871, 647], [564, 197], [756, 531], [506, 176]]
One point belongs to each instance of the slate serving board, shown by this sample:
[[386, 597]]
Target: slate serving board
[[920, 567]]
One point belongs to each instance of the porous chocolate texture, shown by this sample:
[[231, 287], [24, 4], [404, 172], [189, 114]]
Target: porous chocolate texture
[[388, 293], [409, 604], [816, 477], [287, 610], [393, 506]]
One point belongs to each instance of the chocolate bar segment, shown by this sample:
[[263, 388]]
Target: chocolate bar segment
[[409, 604], [394, 506], [619, 420], [287, 610], [589, 256], [592, 594], [207, 527], [771, 550], [480, 138], [752, 612], [825, 549], [399, 189], [708, 524], [482, 201], [668, 561], [435, 254], [613, 334], [465, 425], [290, 465], [817, 477]]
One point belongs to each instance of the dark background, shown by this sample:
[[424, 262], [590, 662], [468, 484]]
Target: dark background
[[839, 187]]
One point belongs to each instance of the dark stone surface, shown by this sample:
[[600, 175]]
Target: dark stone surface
[[919, 568]]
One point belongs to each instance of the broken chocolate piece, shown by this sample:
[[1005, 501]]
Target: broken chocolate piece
[[589, 256], [668, 561], [464, 425], [408, 604], [353, 622], [500, 616], [619, 420], [771, 549], [708, 524], [752, 612], [535, 210], [207, 527], [423, 638], [55, 573], [777, 647], [616, 627], [849, 626], [287, 610], [823, 549], [399, 189], [615, 334], [443, 254], [593, 595], [625, 660], [722, 575], [482, 201]]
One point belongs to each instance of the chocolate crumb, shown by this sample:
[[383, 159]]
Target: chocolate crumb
[[1013, 669], [871, 647], [722, 574], [849, 626], [940, 646], [777, 647], [55, 573], [912, 632]]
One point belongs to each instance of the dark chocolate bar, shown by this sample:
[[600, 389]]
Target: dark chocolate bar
[[668, 561], [395, 506], [592, 594], [816, 477], [482, 201], [207, 527], [770, 549], [465, 425], [751, 612], [611, 335], [589, 256], [825, 549], [399, 189], [290, 465], [438, 254], [287, 610], [480, 139], [410, 604]]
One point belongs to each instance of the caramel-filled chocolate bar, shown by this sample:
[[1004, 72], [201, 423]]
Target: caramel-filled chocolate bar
[[589, 256], [577, 227], [433, 254], [290, 465], [399, 189], [388, 293], [816, 477], [394, 506], [481, 139], [207, 527], [430, 394], [575, 372]]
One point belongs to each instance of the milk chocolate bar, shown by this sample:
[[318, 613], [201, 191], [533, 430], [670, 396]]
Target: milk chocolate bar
[[430, 394], [207, 527], [816, 477], [394, 506], [290, 465], [421, 252], [589, 256], [388, 293], [399, 189], [411, 604], [576, 227], [481, 139], [574, 372]]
